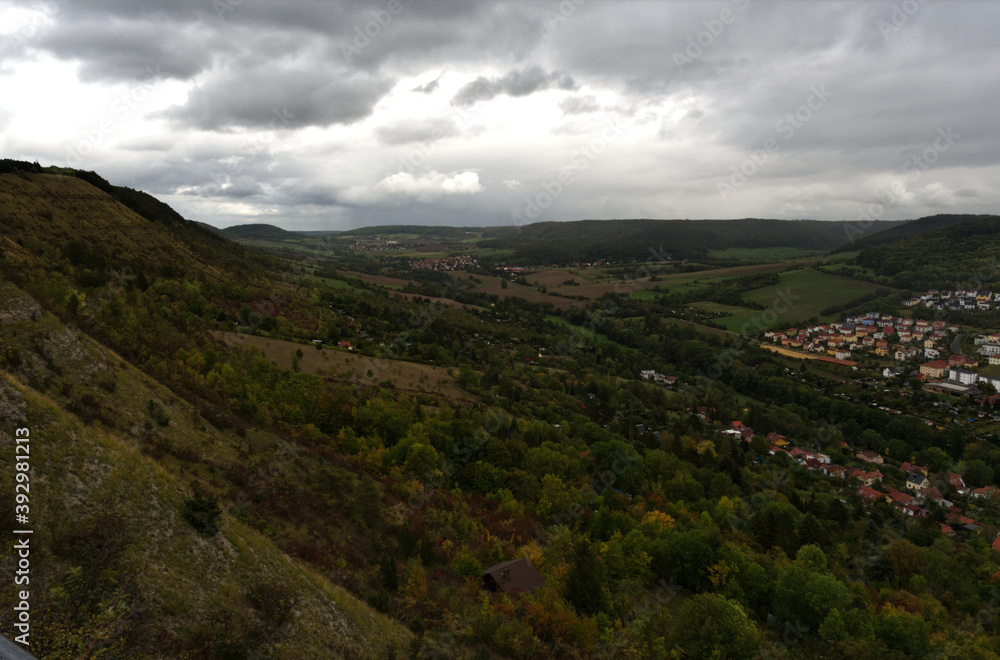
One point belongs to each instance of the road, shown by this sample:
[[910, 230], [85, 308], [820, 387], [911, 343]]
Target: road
[[956, 346]]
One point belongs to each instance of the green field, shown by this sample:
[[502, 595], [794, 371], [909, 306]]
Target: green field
[[808, 293], [585, 332]]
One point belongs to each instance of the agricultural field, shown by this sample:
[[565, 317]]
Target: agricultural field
[[808, 291]]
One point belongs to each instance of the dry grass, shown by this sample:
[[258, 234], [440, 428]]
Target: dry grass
[[349, 367]]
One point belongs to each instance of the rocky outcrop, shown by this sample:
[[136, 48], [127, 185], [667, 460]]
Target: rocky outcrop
[[15, 305]]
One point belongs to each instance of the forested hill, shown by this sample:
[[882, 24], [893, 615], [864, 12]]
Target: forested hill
[[910, 228], [590, 240], [258, 232], [963, 255]]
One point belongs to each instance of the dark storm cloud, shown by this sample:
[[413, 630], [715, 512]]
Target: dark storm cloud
[[280, 98], [516, 83], [847, 91], [118, 49]]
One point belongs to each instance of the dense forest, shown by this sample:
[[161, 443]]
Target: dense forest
[[592, 240], [960, 256], [200, 497]]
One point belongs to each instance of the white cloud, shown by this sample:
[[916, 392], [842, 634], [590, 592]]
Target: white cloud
[[424, 188]]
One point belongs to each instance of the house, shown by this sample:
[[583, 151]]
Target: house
[[777, 439], [996, 543], [891, 372], [869, 494], [989, 349], [516, 575], [981, 493], [916, 481], [898, 497], [870, 457], [958, 483], [914, 469], [745, 431], [866, 478], [834, 471], [960, 519], [935, 369], [915, 511], [934, 494], [947, 530]]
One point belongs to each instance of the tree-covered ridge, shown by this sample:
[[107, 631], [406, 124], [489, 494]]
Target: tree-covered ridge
[[961, 256], [657, 535], [591, 240], [863, 236], [259, 232]]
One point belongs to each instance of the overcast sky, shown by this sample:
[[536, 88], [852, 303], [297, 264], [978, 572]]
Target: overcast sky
[[334, 115]]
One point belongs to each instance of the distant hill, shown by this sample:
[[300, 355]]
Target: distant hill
[[963, 254], [416, 231], [883, 236], [258, 232], [588, 240], [209, 227]]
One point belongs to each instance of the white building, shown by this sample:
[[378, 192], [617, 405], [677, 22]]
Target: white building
[[963, 376]]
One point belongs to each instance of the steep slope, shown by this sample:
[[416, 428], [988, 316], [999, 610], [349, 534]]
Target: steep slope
[[116, 567], [54, 216]]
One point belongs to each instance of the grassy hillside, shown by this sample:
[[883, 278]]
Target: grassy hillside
[[118, 570], [60, 217]]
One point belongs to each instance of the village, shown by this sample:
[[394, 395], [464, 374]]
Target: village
[[890, 337], [458, 262], [920, 492]]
